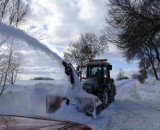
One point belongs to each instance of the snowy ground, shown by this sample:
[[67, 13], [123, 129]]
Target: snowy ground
[[136, 107]]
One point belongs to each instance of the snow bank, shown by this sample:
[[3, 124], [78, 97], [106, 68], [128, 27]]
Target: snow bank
[[30, 99], [150, 91], [133, 90]]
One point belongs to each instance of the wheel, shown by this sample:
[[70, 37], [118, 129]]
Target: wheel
[[105, 99], [112, 94]]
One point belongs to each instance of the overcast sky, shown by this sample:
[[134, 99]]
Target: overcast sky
[[57, 22]]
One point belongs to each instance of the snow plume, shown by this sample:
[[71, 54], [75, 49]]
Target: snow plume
[[19, 34]]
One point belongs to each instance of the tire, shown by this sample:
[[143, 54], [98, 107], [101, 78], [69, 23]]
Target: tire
[[112, 94], [105, 99]]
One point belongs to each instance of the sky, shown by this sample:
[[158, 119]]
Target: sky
[[58, 22]]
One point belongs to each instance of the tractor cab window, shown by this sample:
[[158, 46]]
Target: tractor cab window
[[93, 71], [101, 73], [83, 72]]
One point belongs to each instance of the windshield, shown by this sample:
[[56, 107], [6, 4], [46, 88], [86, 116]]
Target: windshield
[[100, 72], [93, 71]]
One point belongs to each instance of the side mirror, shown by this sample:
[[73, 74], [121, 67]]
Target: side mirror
[[110, 67], [68, 69], [77, 69]]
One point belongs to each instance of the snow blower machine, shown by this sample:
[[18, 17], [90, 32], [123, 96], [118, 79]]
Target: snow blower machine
[[91, 90]]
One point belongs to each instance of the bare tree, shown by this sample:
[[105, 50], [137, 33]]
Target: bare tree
[[137, 26], [87, 47], [9, 66], [15, 13], [121, 75], [5, 70], [14, 68]]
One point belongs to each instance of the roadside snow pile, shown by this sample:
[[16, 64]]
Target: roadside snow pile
[[150, 91], [133, 90], [128, 90], [22, 99]]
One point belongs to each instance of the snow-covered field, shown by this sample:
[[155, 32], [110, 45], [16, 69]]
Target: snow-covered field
[[136, 107]]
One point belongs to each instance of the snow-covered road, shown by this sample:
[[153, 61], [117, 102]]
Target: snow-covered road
[[136, 106], [131, 110]]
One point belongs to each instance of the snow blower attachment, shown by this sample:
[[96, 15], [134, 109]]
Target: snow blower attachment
[[53, 103], [89, 106], [98, 88]]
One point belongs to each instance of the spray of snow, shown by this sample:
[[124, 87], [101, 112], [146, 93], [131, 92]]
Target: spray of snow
[[19, 34]]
